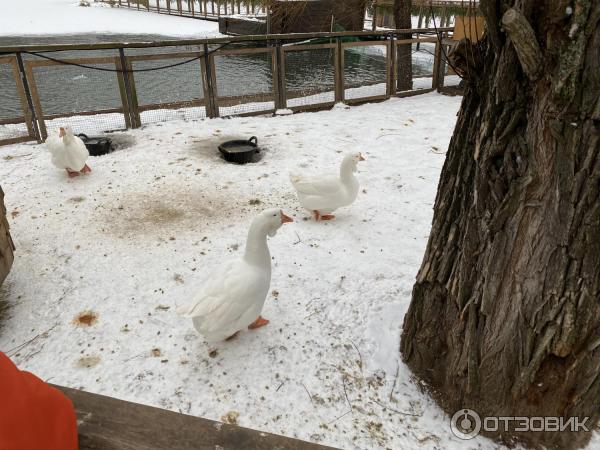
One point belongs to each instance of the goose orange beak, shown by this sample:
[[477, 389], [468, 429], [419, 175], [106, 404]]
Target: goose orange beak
[[360, 157], [284, 218], [61, 132]]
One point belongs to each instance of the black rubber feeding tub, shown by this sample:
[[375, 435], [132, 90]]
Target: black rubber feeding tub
[[96, 145], [240, 151]]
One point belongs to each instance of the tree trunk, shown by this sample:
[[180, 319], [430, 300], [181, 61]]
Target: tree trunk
[[505, 312], [402, 19]]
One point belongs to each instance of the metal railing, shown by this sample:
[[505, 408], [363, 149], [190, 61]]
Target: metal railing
[[129, 85]]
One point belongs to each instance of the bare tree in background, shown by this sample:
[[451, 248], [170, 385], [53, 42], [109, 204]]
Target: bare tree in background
[[402, 19], [505, 312]]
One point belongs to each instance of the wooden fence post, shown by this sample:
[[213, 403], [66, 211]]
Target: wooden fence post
[[393, 65], [438, 64], [339, 71], [123, 92], [130, 90], [212, 106], [29, 115], [279, 83], [374, 17]]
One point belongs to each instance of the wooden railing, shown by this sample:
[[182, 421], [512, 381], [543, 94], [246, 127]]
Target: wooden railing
[[201, 9], [129, 111], [106, 423]]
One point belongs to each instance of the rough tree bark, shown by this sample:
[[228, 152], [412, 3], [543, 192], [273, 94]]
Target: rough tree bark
[[402, 19], [505, 312]]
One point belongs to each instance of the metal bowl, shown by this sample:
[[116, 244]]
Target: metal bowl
[[239, 151]]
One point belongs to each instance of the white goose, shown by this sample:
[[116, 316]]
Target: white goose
[[323, 194], [68, 152], [233, 297]]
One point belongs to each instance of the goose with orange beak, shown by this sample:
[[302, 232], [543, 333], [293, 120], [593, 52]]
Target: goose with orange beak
[[323, 194], [68, 152], [232, 298]]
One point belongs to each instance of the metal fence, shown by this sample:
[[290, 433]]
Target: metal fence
[[131, 85]]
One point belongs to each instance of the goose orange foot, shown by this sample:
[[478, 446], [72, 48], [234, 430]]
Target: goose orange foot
[[72, 174], [260, 322], [86, 169], [317, 215]]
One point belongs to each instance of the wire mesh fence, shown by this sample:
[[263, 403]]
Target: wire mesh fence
[[82, 97], [14, 124], [237, 98], [169, 93], [94, 89], [310, 75], [366, 70]]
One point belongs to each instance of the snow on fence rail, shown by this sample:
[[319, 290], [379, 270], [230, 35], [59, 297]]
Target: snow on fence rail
[[127, 85]]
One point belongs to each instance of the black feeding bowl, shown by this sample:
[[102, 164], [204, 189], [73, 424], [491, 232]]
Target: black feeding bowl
[[239, 151], [96, 145]]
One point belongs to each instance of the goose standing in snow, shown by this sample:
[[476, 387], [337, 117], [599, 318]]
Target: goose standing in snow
[[323, 194], [68, 152], [233, 297]]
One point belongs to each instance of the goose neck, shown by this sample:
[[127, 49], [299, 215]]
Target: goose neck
[[347, 169], [257, 250]]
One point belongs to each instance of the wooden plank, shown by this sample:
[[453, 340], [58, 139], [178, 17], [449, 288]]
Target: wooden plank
[[310, 93], [393, 67], [242, 51], [214, 95], [404, 94], [13, 121], [162, 56], [390, 78], [123, 93], [225, 102], [298, 48], [136, 120], [23, 98], [278, 82], [84, 113], [364, 44], [35, 96], [437, 61], [173, 105], [223, 40], [359, 100], [16, 140], [312, 107], [262, 112], [416, 40], [108, 423], [340, 65], [87, 61]]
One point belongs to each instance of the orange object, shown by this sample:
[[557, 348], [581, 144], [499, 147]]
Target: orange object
[[33, 415]]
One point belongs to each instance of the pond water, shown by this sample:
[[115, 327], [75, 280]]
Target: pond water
[[69, 88]]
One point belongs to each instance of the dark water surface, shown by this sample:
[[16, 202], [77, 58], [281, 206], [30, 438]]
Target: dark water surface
[[68, 88]]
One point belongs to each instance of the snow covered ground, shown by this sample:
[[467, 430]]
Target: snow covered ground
[[103, 260], [43, 17]]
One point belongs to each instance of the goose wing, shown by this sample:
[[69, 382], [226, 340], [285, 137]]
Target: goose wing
[[227, 294]]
